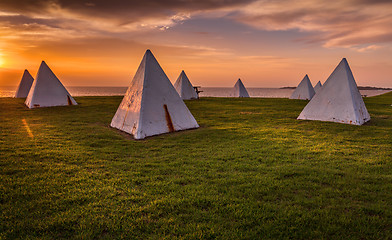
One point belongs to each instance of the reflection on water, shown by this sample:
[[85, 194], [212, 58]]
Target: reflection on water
[[97, 91], [207, 92], [76, 91], [7, 91], [253, 92], [269, 92]]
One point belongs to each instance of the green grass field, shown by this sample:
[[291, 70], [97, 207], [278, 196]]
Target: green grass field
[[251, 171]]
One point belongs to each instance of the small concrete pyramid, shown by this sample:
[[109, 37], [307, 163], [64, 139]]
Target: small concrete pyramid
[[240, 90], [184, 87], [47, 90], [24, 85], [304, 90], [318, 87], [339, 100], [151, 105]]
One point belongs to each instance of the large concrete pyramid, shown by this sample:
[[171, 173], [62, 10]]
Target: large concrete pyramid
[[151, 105], [184, 87], [304, 90], [318, 87], [24, 85], [47, 90], [338, 100], [240, 90]]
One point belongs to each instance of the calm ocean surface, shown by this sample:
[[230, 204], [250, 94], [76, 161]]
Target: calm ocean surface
[[207, 92]]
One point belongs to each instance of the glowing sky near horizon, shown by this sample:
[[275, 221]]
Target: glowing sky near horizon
[[266, 43]]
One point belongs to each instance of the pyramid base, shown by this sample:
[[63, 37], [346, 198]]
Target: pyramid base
[[46, 106], [351, 122], [127, 134]]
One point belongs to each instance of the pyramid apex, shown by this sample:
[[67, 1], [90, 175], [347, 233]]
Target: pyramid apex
[[344, 63], [43, 63], [149, 54], [183, 74]]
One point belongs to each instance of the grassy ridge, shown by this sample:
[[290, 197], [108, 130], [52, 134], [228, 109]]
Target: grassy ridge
[[251, 171]]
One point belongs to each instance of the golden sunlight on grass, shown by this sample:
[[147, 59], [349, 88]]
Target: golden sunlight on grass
[[27, 128]]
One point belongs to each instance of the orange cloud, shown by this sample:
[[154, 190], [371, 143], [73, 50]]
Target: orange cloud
[[334, 23]]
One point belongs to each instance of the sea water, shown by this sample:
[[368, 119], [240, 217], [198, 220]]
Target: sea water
[[206, 92]]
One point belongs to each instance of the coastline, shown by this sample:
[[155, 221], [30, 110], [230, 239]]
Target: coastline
[[206, 91]]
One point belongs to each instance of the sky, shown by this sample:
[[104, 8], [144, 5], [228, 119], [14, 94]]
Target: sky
[[266, 43]]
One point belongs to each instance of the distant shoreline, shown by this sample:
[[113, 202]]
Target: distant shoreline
[[207, 91], [287, 87], [359, 88]]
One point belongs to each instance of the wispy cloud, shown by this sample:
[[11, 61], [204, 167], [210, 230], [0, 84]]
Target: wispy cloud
[[106, 16], [366, 49], [347, 23], [334, 23]]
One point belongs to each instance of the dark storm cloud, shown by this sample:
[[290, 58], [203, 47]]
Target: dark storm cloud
[[99, 17], [121, 9], [105, 5]]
